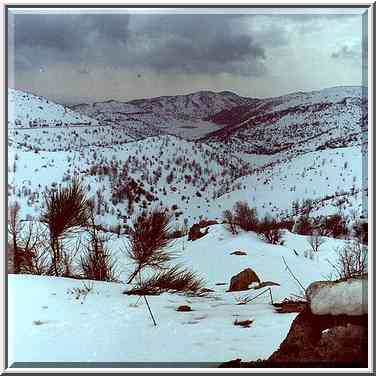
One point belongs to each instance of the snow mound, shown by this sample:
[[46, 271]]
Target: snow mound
[[339, 298]]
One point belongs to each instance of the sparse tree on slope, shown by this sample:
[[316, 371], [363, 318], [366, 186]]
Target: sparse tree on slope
[[66, 212], [149, 239]]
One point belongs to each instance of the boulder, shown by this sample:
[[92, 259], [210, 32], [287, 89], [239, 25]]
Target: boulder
[[242, 280], [195, 232], [205, 223], [184, 308], [244, 323], [343, 297]]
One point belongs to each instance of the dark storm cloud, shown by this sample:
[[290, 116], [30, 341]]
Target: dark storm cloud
[[198, 44], [40, 39], [181, 43], [66, 32]]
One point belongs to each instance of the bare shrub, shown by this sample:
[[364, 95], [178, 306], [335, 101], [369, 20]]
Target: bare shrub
[[309, 253], [229, 219], [316, 241], [245, 217], [31, 254], [96, 262], [14, 229], [360, 231], [269, 228], [352, 260], [336, 225], [303, 225]]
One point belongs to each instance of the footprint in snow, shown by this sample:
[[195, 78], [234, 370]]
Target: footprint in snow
[[202, 317]]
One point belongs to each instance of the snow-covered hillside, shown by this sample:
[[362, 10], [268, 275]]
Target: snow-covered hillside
[[50, 321], [181, 115], [177, 174], [314, 150], [26, 110], [295, 123], [332, 178]]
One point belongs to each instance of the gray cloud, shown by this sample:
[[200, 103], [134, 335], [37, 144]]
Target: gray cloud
[[181, 43], [67, 32], [41, 39], [198, 44], [346, 52]]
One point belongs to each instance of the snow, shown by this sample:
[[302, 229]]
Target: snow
[[348, 297], [48, 323], [24, 108], [325, 177]]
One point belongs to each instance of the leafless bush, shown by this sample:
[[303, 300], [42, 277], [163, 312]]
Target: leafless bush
[[83, 291], [309, 253], [316, 241], [173, 279], [14, 229], [245, 217], [269, 228], [230, 221], [97, 263], [31, 254], [352, 260]]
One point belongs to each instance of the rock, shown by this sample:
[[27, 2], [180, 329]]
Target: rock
[[241, 281], [195, 232], [290, 306], [184, 308], [238, 253], [266, 284], [343, 297], [244, 323], [203, 223], [307, 340]]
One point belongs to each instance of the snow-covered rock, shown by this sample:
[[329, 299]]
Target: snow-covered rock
[[339, 298]]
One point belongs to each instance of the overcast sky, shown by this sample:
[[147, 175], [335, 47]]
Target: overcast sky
[[75, 58]]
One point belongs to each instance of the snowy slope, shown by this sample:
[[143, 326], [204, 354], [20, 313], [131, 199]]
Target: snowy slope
[[48, 321], [328, 177], [199, 180], [27, 110], [173, 171], [295, 123]]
